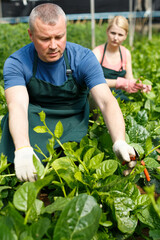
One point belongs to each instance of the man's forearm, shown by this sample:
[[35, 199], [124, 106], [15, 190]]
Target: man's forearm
[[114, 120], [18, 125]]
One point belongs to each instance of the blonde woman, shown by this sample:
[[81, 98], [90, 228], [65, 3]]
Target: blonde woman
[[115, 60]]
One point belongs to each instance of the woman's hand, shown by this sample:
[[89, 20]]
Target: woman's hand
[[128, 85]]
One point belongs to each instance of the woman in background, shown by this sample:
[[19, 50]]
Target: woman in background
[[115, 60]]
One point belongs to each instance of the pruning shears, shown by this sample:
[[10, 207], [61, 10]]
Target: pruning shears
[[137, 158]]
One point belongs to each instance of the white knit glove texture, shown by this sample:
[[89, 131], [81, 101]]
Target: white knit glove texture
[[23, 164], [123, 150]]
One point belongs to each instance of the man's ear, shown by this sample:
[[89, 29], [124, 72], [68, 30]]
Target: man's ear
[[30, 34]]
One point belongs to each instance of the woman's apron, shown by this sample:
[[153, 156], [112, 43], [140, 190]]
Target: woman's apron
[[67, 103], [112, 74]]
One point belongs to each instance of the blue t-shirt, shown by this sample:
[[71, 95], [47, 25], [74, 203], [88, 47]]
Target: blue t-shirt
[[18, 68]]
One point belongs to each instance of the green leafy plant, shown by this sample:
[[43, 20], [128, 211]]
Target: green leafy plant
[[87, 195]]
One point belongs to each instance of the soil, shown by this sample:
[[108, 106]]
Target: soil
[[44, 197]]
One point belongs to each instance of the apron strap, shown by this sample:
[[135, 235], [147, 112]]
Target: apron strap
[[68, 68], [121, 59], [35, 64], [105, 46]]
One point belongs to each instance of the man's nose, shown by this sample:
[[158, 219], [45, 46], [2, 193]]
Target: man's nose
[[52, 44]]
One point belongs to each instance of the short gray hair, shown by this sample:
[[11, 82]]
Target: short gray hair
[[48, 13]]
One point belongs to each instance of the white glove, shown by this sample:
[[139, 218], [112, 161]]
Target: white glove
[[123, 150], [23, 164]]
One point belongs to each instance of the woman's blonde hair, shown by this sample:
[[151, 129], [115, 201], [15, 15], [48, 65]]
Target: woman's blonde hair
[[119, 21]]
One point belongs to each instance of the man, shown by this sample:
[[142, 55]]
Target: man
[[55, 76]]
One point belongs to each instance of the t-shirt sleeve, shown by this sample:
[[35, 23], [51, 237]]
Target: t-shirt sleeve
[[90, 71], [13, 73]]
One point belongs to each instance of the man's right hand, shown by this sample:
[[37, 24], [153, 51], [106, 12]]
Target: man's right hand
[[23, 164]]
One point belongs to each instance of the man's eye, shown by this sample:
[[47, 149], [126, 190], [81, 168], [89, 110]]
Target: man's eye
[[59, 37], [44, 39]]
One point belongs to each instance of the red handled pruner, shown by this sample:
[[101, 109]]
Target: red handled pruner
[[136, 158]]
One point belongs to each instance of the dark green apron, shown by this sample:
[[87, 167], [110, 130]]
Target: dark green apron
[[112, 74], [67, 103]]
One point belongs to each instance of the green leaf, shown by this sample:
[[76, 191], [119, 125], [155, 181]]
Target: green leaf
[[142, 201], [79, 219], [151, 95], [149, 217], [148, 145], [4, 188], [24, 236], [38, 166], [147, 82], [15, 217], [62, 163], [106, 168], [40, 183], [25, 196], [79, 177], [148, 104], [142, 117], [56, 183], [154, 234], [50, 146], [3, 163], [106, 223], [35, 211], [127, 224], [42, 116], [68, 176], [123, 207], [37, 230], [58, 205], [157, 109], [7, 232], [87, 156], [131, 190], [40, 129], [58, 130], [138, 148], [95, 161], [151, 163]]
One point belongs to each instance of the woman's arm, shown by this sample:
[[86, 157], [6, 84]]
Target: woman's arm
[[129, 73], [111, 83], [98, 54]]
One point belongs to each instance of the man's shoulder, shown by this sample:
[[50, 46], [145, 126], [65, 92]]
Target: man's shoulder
[[74, 47], [21, 57]]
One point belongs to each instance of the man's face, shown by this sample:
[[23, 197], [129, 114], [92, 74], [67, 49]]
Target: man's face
[[49, 40]]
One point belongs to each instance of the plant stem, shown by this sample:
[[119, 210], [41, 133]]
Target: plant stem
[[8, 175], [153, 150]]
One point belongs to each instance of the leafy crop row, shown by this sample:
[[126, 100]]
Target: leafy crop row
[[87, 195]]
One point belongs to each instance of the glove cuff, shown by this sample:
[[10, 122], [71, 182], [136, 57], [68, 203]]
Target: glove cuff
[[23, 150], [23, 147], [121, 83]]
